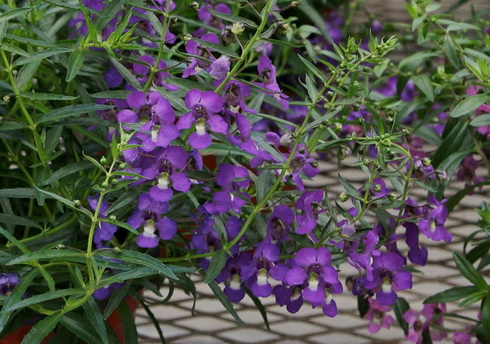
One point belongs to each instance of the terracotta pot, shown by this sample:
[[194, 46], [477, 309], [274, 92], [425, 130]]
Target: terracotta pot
[[114, 321]]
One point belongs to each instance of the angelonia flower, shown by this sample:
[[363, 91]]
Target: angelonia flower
[[8, 281], [176, 124], [420, 322]]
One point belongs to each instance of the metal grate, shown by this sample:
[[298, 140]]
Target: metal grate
[[212, 323]]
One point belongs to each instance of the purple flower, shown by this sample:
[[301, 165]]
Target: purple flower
[[417, 254], [8, 281], [420, 322], [378, 188], [302, 163], [220, 67], [235, 95], [308, 204], [312, 271], [167, 170], [279, 224], [264, 258], [104, 231], [237, 270], [106, 291], [204, 106], [142, 71], [388, 277], [268, 73], [432, 225], [147, 215], [194, 48], [208, 18], [377, 316]]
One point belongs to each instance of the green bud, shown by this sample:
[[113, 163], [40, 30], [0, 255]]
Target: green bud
[[77, 203], [194, 5], [392, 196], [112, 217], [6, 99], [103, 160], [105, 185], [238, 28], [283, 27], [116, 250], [343, 197], [337, 127], [426, 161], [60, 246]]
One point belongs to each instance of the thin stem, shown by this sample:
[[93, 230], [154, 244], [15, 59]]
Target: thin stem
[[248, 47]]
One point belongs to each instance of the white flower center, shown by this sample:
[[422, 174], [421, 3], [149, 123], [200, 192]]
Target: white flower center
[[149, 229], [262, 278], [163, 181], [154, 135], [235, 282], [313, 282], [200, 129]]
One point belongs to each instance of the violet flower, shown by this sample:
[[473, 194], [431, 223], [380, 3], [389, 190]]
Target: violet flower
[[307, 203], [8, 281], [268, 72], [204, 107]]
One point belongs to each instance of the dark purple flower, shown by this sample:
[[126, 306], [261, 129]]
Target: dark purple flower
[[235, 95], [194, 48], [204, 107], [264, 258], [377, 316], [308, 204], [417, 254], [148, 215], [279, 224], [432, 225], [104, 231], [420, 322], [237, 270], [8, 281], [220, 68], [268, 73]]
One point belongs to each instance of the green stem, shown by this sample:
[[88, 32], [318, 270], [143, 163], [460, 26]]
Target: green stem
[[32, 125], [248, 47]]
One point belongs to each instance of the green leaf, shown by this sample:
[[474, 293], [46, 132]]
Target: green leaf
[[81, 327], [316, 18], [125, 73], [18, 193], [362, 305], [450, 295], [13, 13], [469, 271], [232, 18], [409, 64], [118, 94], [75, 63], [225, 302], [216, 47], [313, 69], [66, 171], [139, 258], [14, 241], [125, 199], [453, 142], [400, 307], [216, 265], [65, 201], [18, 221], [454, 200], [349, 188], [260, 307], [26, 74], [46, 96], [16, 295], [44, 297], [485, 317], [42, 329], [94, 315], [264, 183], [424, 83], [481, 121], [40, 55], [450, 51], [468, 105], [116, 298], [129, 326], [72, 111], [108, 13], [53, 254]]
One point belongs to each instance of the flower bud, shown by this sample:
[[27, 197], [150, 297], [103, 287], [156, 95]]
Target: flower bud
[[392, 196], [104, 185], [238, 28], [286, 140], [314, 164], [186, 37], [6, 99], [442, 176], [366, 162], [337, 127], [103, 160], [116, 250], [112, 217], [426, 161], [295, 3], [194, 5], [283, 27], [77, 203], [60, 246], [343, 197]]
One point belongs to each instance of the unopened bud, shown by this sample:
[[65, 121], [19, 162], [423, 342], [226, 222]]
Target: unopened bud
[[426, 161], [103, 160], [366, 162], [194, 5], [314, 164], [337, 127], [283, 27], [442, 176], [286, 140], [112, 217], [343, 197], [77, 203], [238, 28], [60, 246], [105, 184], [116, 250], [392, 196], [186, 37], [295, 3], [6, 99]]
